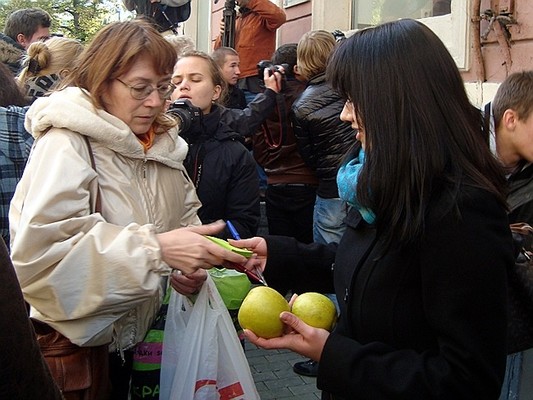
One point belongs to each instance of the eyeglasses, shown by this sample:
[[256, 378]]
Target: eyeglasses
[[143, 90]]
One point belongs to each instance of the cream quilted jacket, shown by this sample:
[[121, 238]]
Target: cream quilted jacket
[[95, 277]]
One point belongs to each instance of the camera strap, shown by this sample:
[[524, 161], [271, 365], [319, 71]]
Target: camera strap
[[281, 109]]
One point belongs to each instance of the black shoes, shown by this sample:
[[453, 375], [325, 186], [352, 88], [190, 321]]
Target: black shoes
[[306, 368]]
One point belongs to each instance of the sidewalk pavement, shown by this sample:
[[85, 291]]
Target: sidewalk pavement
[[274, 377], [272, 369]]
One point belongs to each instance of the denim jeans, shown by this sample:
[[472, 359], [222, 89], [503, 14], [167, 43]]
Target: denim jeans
[[511, 382], [518, 381], [249, 96], [328, 220], [329, 226]]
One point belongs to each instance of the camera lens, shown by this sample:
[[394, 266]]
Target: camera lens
[[186, 113], [184, 118]]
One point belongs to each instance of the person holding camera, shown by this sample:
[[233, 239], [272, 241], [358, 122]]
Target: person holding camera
[[221, 168], [104, 212], [291, 190]]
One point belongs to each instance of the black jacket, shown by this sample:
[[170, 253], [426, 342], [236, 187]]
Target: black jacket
[[25, 373], [246, 122], [276, 151], [520, 196], [224, 174], [235, 98], [426, 321], [323, 139]]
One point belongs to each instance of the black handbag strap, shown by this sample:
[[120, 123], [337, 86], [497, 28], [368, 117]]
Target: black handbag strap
[[98, 204]]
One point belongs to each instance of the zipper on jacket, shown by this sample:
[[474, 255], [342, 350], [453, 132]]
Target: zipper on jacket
[[144, 168], [143, 185]]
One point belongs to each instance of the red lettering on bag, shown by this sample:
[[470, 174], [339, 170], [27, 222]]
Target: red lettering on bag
[[231, 392], [204, 382]]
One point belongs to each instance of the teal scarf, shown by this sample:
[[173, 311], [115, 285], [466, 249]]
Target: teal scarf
[[347, 178]]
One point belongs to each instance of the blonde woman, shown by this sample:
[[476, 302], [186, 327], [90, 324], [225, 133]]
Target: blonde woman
[[46, 63]]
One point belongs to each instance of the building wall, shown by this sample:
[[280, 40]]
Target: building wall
[[484, 62], [496, 56]]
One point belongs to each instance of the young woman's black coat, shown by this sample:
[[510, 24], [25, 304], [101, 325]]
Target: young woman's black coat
[[224, 174], [424, 321]]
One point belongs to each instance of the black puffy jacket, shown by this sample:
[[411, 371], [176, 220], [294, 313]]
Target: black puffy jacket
[[323, 139]]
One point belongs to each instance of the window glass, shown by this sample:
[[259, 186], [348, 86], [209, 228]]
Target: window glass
[[373, 12]]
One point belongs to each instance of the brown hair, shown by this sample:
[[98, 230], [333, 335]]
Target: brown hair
[[314, 50], [26, 21], [113, 51], [220, 54], [515, 93]]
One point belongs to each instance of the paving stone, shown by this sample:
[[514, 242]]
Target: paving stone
[[272, 369], [274, 377]]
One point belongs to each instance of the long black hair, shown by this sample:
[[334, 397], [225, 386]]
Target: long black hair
[[420, 127]]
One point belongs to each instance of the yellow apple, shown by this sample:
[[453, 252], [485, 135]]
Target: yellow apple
[[316, 310], [260, 312]]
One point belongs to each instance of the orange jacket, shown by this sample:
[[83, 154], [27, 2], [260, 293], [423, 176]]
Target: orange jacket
[[255, 34]]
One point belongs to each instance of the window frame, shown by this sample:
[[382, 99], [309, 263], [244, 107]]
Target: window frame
[[453, 29], [291, 3]]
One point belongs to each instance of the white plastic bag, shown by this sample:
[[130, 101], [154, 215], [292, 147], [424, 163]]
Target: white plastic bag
[[202, 356]]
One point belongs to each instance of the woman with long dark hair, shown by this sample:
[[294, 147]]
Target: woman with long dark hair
[[420, 273]]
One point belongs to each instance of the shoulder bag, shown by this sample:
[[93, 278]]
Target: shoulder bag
[[81, 373]]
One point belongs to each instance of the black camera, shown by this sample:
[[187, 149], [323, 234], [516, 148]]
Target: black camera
[[261, 65], [187, 114]]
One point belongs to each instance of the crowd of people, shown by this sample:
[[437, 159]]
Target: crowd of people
[[384, 188]]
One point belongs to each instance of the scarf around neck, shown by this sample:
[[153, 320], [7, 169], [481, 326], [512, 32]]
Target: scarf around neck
[[347, 179]]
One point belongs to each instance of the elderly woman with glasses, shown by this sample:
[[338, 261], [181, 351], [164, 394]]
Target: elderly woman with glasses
[[105, 211]]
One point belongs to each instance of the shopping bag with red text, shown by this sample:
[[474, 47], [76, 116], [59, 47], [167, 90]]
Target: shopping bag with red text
[[202, 356]]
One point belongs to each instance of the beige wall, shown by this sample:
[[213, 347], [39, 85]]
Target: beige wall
[[458, 31]]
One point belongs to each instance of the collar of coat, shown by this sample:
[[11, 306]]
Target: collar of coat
[[71, 109]]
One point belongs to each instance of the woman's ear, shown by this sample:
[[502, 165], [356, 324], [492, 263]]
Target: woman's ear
[[216, 92]]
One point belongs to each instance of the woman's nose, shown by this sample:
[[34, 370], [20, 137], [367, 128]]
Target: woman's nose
[[346, 114], [153, 99]]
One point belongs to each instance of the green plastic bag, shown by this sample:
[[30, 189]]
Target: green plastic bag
[[232, 285]]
